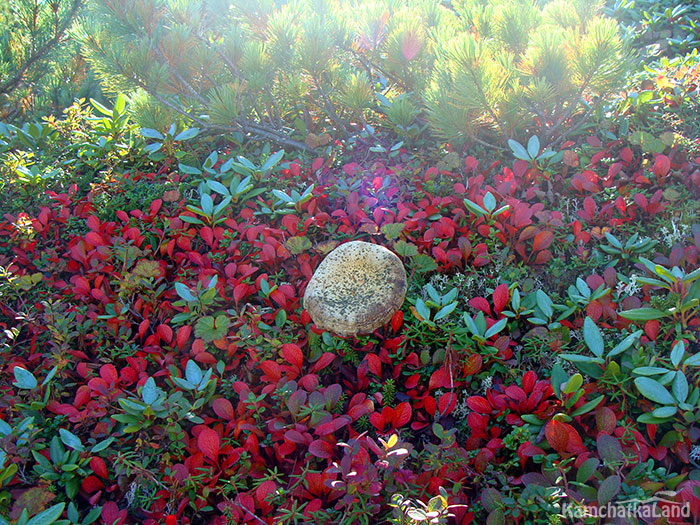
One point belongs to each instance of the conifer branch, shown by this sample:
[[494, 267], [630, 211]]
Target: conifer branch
[[330, 109], [40, 53]]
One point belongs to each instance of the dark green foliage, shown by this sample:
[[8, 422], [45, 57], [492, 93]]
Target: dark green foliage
[[40, 70], [469, 70]]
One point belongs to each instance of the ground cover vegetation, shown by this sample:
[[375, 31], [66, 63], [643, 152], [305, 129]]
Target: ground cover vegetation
[[156, 362]]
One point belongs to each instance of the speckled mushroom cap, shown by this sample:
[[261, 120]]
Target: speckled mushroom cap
[[356, 289]]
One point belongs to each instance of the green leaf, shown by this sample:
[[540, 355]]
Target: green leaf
[[190, 170], [649, 370], [193, 373], [625, 344], [48, 516], [210, 329], [24, 379], [150, 133], [71, 440], [298, 245], [207, 204], [558, 378], [586, 470], [643, 314], [593, 337], [99, 107], [102, 445], [587, 407], [544, 303], [489, 202], [393, 230], [272, 161], [519, 152], [578, 358], [218, 187], [693, 360], [664, 412], [573, 384], [533, 146], [496, 328], [608, 489], [680, 387], [653, 390], [422, 310], [423, 263], [49, 376], [445, 311], [190, 220], [184, 292], [471, 325], [149, 393], [677, 353], [187, 134], [405, 249], [475, 208]]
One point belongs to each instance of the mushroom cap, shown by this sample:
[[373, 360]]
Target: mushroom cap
[[356, 289]]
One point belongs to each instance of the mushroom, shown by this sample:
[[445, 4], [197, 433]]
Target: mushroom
[[356, 289]]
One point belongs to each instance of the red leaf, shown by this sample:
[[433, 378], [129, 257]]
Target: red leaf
[[440, 379], [263, 491], [321, 449], [589, 206], [183, 335], [208, 442], [606, 421], [143, 326], [94, 239], [473, 364], [482, 459], [271, 369], [207, 234], [374, 365], [542, 240], [627, 155], [396, 320], [98, 466], [111, 514], [293, 354], [109, 374], [92, 484], [651, 328], [332, 426], [165, 332], [465, 247], [316, 165], [223, 408], [326, 359], [402, 414], [239, 292], [557, 435], [662, 166], [479, 405], [295, 437], [480, 304], [447, 403], [93, 223], [543, 257], [500, 297], [594, 310], [529, 380]]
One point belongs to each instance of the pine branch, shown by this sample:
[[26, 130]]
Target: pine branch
[[330, 109], [40, 53]]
